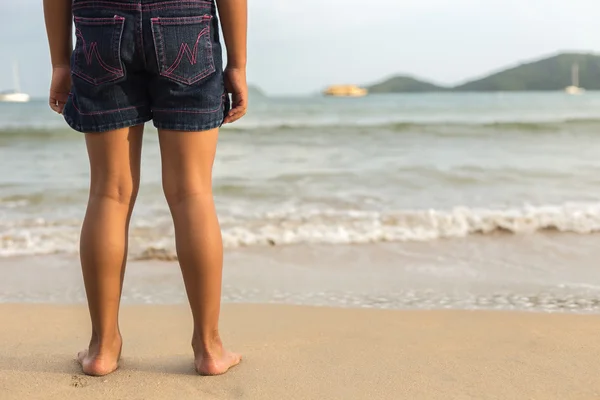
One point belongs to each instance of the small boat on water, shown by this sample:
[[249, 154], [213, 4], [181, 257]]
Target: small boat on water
[[574, 89], [345, 91], [15, 95]]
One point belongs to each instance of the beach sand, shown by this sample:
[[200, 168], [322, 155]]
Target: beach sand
[[309, 353]]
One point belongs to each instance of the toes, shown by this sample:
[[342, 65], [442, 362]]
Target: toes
[[233, 360], [81, 356], [237, 358]]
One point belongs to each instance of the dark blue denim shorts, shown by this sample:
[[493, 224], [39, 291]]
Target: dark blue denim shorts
[[141, 60]]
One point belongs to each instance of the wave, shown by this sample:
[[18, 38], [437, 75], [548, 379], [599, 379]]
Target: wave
[[349, 227], [36, 132], [75, 195], [441, 127], [359, 227], [289, 227], [433, 125]]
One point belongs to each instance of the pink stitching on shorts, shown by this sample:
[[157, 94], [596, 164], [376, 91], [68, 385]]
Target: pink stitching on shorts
[[101, 112], [85, 77], [136, 9], [99, 21], [190, 81], [94, 23], [87, 4], [189, 111], [95, 81], [156, 43], [173, 8], [184, 49], [93, 50], [140, 38], [118, 7], [107, 6], [193, 3], [207, 3], [167, 5], [96, 2], [181, 20]]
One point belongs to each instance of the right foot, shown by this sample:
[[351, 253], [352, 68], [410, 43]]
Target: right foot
[[100, 360], [214, 360]]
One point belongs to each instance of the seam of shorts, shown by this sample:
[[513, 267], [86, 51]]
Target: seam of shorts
[[201, 3], [104, 3], [176, 111], [170, 111], [144, 7], [140, 38], [83, 128], [72, 96]]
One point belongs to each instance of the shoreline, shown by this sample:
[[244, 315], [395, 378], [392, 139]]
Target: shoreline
[[309, 353], [549, 273]]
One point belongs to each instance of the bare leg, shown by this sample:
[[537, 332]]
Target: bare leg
[[115, 174], [187, 160]]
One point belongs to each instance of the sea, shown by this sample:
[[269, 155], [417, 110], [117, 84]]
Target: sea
[[396, 172]]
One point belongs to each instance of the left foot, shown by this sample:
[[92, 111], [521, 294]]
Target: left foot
[[101, 359], [214, 359], [208, 365]]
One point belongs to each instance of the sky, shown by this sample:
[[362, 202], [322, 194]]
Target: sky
[[300, 47]]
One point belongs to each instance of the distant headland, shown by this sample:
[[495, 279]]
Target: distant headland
[[255, 91], [548, 74]]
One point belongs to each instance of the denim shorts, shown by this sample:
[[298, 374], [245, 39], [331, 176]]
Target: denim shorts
[[141, 60]]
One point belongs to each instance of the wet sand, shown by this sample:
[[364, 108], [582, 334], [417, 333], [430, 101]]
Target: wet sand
[[309, 353], [541, 272]]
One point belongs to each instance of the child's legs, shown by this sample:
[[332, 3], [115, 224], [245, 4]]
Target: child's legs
[[115, 174], [187, 161]]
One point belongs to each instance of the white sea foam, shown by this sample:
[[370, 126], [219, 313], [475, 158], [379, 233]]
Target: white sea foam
[[287, 227], [347, 227]]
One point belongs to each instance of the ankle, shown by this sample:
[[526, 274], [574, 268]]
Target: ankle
[[208, 343], [107, 339]]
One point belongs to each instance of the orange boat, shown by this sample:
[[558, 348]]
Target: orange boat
[[345, 91]]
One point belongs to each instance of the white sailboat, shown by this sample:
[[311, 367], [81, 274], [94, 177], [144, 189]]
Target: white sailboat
[[15, 96], [574, 89]]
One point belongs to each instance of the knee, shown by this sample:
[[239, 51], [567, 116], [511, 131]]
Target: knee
[[177, 192], [120, 188]]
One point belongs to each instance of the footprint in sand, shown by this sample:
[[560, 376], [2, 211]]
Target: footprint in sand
[[78, 381]]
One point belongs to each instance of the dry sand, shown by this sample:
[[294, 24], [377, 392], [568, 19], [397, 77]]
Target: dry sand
[[309, 353]]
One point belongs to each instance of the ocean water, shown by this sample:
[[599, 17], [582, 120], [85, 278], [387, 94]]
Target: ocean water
[[312, 170]]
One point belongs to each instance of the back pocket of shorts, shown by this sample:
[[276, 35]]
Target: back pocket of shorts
[[184, 48], [97, 54]]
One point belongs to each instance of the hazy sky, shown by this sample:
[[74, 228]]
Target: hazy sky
[[302, 46]]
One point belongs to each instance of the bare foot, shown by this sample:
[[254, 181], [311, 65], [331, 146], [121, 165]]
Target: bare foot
[[100, 360], [214, 359]]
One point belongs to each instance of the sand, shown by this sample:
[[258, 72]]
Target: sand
[[309, 353], [527, 273]]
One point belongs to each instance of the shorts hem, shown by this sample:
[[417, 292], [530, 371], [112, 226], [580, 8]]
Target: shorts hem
[[174, 126], [106, 127]]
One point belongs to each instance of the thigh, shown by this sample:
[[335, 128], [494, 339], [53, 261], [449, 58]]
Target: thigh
[[115, 158], [187, 161]]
